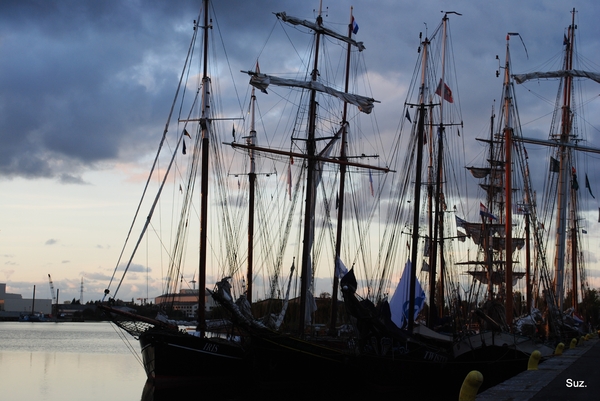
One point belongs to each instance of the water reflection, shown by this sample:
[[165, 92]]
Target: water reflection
[[66, 361], [235, 391], [191, 389], [183, 391]]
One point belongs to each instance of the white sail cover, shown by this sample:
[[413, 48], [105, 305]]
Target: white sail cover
[[520, 78], [400, 302], [318, 28], [262, 82]]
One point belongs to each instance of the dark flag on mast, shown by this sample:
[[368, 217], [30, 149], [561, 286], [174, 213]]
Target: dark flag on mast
[[587, 185], [184, 149], [554, 165]]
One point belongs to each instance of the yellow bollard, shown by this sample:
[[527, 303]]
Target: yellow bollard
[[559, 349], [573, 343], [534, 360], [470, 385], [587, 337], [580, 342]]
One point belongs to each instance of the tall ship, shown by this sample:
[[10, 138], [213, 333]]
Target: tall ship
[[407, 300]]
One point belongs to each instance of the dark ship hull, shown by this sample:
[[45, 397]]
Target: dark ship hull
[[176, 355]]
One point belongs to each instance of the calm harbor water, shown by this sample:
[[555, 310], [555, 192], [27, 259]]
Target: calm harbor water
[[69, 361]]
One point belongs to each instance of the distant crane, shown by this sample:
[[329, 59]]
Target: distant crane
[[54, 297], [52, 289]]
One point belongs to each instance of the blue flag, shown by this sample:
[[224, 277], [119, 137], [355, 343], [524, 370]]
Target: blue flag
[[354, 26], [400, 302]]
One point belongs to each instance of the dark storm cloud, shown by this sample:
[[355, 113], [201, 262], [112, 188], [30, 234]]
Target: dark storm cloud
[[78, 82], [87, 82]]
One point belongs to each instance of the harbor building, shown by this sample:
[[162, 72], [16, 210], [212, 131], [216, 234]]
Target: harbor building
[[186, 301], [15, 304]]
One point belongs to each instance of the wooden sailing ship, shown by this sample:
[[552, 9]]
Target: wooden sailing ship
[[381, 348]]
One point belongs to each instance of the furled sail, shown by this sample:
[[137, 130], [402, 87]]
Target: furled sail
[[262, 82], [476, 232], [319, 28], [520, 78], [479, 172]]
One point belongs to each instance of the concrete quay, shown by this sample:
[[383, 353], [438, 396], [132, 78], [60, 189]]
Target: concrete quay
[[574, 375]]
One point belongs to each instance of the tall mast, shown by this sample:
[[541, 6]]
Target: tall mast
[[205, 123], [508, 133], [528, 258], [251, 141], [340, 205], [489, 253], [417, 192], [430, 241], [563, 181], [438, 231], [574, 250], [306, 270]]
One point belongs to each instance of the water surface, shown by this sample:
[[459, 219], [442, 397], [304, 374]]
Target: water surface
[[68, 361]]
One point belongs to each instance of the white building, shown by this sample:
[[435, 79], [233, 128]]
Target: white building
[[16, 303], [186, 301]]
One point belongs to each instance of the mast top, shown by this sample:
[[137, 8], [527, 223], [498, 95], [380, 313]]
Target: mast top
[[450, 12], [318, 27]]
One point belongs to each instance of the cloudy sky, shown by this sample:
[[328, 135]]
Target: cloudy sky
[[85, 88]]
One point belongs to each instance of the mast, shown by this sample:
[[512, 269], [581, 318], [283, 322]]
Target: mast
[[205, 123], [561, 222], [508, 133], [528, 259], [417, 192], [489, 253], [340, 206], [306, 267], [251, 141], [438, 230], [430, 245], [574, 250]]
